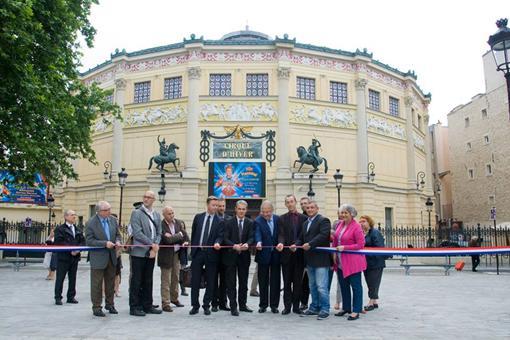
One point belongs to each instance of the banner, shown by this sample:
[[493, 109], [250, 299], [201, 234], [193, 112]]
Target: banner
[[237, 179], [237, 149], [29, 193]]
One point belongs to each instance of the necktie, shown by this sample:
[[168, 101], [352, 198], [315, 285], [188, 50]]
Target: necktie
[[205, 236], [72, 229], [309, 224], [106, 229], [240, 230], [270, 223]]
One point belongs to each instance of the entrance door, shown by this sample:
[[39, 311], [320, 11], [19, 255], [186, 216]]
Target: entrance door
[[388, 225]]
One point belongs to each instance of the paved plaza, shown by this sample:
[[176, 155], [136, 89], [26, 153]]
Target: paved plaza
[[425, 305]]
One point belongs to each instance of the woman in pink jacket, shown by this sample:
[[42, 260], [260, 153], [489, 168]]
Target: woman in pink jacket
[[349, 236]]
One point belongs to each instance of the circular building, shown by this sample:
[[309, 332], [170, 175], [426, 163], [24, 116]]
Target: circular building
[[242, 114]]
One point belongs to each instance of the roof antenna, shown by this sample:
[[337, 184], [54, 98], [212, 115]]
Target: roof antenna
[[247, 27]]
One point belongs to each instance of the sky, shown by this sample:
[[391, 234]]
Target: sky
[[442, 41]]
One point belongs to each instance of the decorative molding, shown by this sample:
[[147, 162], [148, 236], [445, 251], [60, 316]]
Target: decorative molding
[[264, 112], [408, 101], [103, 123], [322, 116], [284, 73], [385, 127], [155, 116], [419, 142], [120, 84], [360, 84], [194, 72]]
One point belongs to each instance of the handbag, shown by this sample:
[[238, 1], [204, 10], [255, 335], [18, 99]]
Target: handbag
[[185, 277], [459, 265]]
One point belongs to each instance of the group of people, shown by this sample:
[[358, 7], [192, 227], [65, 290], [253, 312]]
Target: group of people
[[287, 246]]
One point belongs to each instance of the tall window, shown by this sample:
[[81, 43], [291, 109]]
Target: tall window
[[142, 92], [394, 106], [466, 122], [173, 88], [374, 100], [486, 139], [305, 88], [220, 85], [257, 85], [484, 113], [488, 169], [471, 173], [338, 92]]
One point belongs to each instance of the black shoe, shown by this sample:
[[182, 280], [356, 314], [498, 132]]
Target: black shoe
[[193, 311], [207, 311], [73, 300], [153, 311], [474, 270], [323, 316], [343, 312], [350, 318], [245, 309], [255, 294], [177, 303], [309, 313], [274, 310], [98, 312], [58, 302], [371, 307], [111, 309], [286, 311], [137, 312], [184, 293], [234, 312], [262, 310], [214, 309], [225, 308], [303, 307], [297, 311]]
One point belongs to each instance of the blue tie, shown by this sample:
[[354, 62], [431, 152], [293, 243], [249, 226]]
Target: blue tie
[[271, 227], [106, 229]]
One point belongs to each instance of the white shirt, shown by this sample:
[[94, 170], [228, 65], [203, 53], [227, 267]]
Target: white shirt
[[72, 229], [151, 214], [203, 226], [171, 226]]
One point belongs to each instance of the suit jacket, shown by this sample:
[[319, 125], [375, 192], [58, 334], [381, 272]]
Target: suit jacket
[[166, 254], [374, 238], [229, 256], [286, 236], [215, 236], [317, 236], [141, 227], [96, 237], [263, 234], [64, 237]]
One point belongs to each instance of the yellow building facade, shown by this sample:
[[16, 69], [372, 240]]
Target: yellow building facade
[[360, 110]]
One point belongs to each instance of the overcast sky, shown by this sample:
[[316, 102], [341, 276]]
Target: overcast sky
[[443, 41]]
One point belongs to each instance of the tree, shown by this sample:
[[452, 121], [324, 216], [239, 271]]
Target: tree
[[45, 110]]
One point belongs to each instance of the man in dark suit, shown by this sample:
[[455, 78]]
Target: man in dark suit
[[102, 231], [206, 237], [67, 234], [316, 230], [238, 234], [292, 259], [268, 258], [219, 300], [173, 236], [305, 294]]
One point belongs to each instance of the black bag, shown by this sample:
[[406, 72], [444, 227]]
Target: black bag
[[185, 277]]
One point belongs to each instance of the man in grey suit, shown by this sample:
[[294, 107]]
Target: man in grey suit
[[102, 231], [146, 227]]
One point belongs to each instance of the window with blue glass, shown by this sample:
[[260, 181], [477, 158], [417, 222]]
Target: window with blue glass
[[394, 106], [109, 98], [257, 85], [142, 92], [220, 85], [173, 88], [374, 100], [338, 92], [305, 88]]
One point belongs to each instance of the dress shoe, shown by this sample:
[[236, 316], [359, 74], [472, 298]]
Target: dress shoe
[[262, 310], [297, 311], [183, 293], [98, 312], [371, 307], [351, 318], [207, 311], [275, 310], [193, 311], [137, 312], [245, 309], [255, 294], [167, 309], [343, 312], [58, 302], [73, 300], [225, 308], [303, 307], [234, 312], [214, 309], [153, 311], [177, 303], [285, 311], [111, 309]]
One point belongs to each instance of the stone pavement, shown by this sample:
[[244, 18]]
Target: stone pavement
[[424, 305]]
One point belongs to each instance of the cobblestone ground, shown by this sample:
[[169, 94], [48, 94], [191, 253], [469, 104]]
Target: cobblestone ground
[[424, 305]]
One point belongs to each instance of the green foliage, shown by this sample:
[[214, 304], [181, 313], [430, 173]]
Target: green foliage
[[45, 110]]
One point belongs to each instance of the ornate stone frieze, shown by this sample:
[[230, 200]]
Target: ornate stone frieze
[[194, 72], [419, 142], [155, 116], [385, 127], [238, 112], [322, 116]]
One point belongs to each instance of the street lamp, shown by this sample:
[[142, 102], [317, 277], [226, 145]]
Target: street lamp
[[122, 183], [420, 182], [107, 174], [370, 172], [162, 191], [338, 176], [51, 204], [500, 46], [310, 193], [429, 205]]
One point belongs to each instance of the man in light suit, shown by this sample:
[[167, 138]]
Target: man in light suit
[[206, 231], [102, 231], [268, 258], [146, 226]]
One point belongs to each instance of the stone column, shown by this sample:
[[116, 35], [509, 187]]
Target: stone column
[[362, 134], [411, 167], [282, 136], [192, 133], [120, 91], [429, 180]]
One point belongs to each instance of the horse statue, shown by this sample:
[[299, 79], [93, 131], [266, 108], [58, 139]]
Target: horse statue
[[311, 157], [166, 155]]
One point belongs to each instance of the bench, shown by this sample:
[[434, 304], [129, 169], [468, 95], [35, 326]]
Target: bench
[[446, 266], [401, 259]]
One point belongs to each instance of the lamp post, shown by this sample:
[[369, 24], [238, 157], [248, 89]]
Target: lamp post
[[338, 176], [122, 183], [107, 174], [51, 204], [370, 172], [438, 198], [429, 205], [420, 181], [500, 47], [162, 191], [310, 193]]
